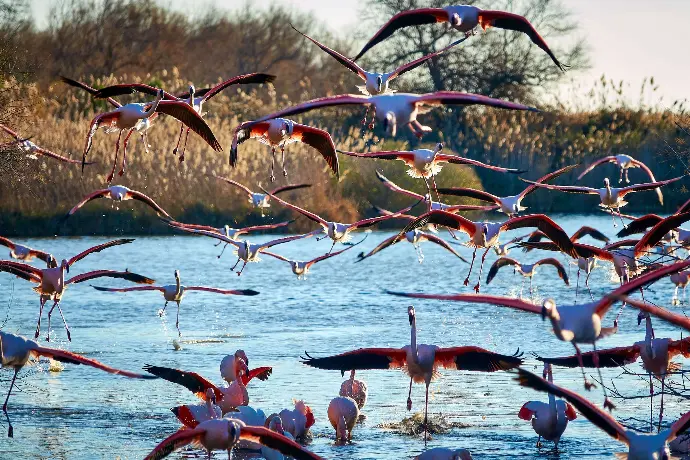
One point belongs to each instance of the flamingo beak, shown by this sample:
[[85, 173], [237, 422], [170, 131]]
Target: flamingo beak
[[456, 20], [544, 313]]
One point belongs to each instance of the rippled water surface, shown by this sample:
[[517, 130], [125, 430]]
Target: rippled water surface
[[83, 413]]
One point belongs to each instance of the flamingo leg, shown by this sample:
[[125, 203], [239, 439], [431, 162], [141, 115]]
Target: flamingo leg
[[332, 246], [179, 139], [588, 385], [621, 217], [145, 139], [184, 146], [236, 263], [109, 179], [661, 408], [273, 163], [613, 218], [239, 273], [627, 180], [620, 178], [426, 412], [428, 190], [587, 284], [50, 312], [177, 321], [467, 280], [282, 153], [161, 312], [223, 250], [651, 403], [124, 152], [577, 285], [595, 357], [530, 288], [10, 430], [674, 300], [40, 314], [69, 336], [481, 267], [409, 396], [539, 442], [433, 180]]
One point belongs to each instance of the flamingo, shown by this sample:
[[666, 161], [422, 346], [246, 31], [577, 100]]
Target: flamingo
[[624, 163], [301, 268], [343, 413], [526, 270], [52, 284], [503, 249], [125, 118], [641, 446], [175, 293], [229, 368], [27, 254], [298, 420], [195, 98], [485, 234], [611, 197], [396, 108], [224, 434], [355, 389], [192, 415], [279, 132], [680, 279], [444, 453], [510, 205], [550, 420], [463, 18], [420, 362], [426, 163], [33, 151], [275, 424], [251, 417], [644, 223], [571, 323], [118, 193], [262, 200], [415, 237], [656, 357], [15, 352]]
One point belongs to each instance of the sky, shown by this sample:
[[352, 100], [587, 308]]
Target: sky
[[629, 40]]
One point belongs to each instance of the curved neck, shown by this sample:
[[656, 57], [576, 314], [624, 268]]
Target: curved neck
[[649, 333], [413, 337], [178, 288], [154, 106]]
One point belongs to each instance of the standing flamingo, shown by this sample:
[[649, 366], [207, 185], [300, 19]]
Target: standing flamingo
[[355, 389], [343, 413], [261, 200], [419, 361], [680, 279], [27, 254], [299, 420], [32, 150]]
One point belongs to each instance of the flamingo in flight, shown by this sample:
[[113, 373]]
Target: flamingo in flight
[[656, 357], [278, 133], [624, 164], [33, 151], [571, 323], [641, 446], [27, 254], [175, 293], [195, 98], [415, 237], [611, 197], [262, 200], [510, 205], [224, 434], [420, 362], [550, 420], [426, 163], [526, 270], [301, 268], [16, 351], [396, 109], [118, 193], [125, 118], [51, 283], [463, 18], [485, 234], [336, 231]]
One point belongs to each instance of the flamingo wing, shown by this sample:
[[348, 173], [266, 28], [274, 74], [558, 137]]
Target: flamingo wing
[[176, 224], [564, 188], [239, 80], [258, 228], [10, 132], [443, 218], [244, 188], [609, 159], [649, 186], [64, 159], [500, 262], [640, 225], [458, 160], [186, 114], [249, 292], [99, 248], [562, 274], [212, 234], [404, 19], [363, 358], [595, 415], [304, 212], [363, 223], [458, 98], [320, 140], [649, 172], [145, 199], [131, 88], [21, 266], [444, 244], [546, 178], [287, 188], [129, 289], [470, 193], [333, 254], [662, 313], [286, 240], [7, 242], [277, 256], [73, 358], [679, 427], [656, 233], [190, 380], [92, 196], [546, 225], [417, 62], [175, 441], [685, 207], [245, 132], [331, 101], [88, 89], [612, 357], [589, 231], [476, 298], [380, 247], [261, 373], [476, 359], [394, 187], [128, 276], [18, 272], [343, 60], [681, 346], [276, 441]]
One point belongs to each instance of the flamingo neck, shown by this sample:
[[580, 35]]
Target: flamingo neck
[[178, 286], [154, 106], [552, 398], [209, 407], [413, 338], [649, 333]]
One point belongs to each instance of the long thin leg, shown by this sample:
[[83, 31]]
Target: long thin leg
[[627, 180], [273, 164], [620, 177], [588, 385], [433, 180], [177, 321], [236, 263], [10, 430], [426, 412], [50, 312], [621, 217], [332, 246], [179, 139], [530, 288], [587, 284], [40, 314], [109, 179], [428, 190], [595, 357], [577, 284], [239, 273], [282, 152], [539, 442], [651, 404], [124, 152], [184, 146], [69, 336], [162, 311], [467, 280], [661, 408], [481, 267], [409, 396], [222, 251], [613, 217]]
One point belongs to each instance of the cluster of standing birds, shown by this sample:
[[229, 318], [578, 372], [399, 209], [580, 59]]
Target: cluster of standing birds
[[225, 421]]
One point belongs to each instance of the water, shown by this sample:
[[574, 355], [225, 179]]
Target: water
[[84, 413]]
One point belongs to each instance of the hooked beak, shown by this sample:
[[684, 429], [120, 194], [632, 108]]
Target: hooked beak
[[543, 313], [639, 320], [379, 83], [455, 20]]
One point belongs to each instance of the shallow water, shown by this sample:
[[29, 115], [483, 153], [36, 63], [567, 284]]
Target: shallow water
[[84, 413]]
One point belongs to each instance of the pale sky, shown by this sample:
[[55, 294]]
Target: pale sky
[[629, 39]]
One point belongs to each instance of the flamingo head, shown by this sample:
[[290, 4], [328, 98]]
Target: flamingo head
[[177, 274], [242, 368], [286, 128], [379, 83], [276, 424], [52, 262], [240, 354], [462, 454], [547, 370], [485, 231], [352, 374], [439, 147], [606, 182], [641, 316], [389, 124], [211, 395], [65, 265], [410, 314], [234, 431], [192, 90], [548, 310], [160, 93], [226, 227], [455, 20]]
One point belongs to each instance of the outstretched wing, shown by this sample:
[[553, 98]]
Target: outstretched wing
[[173, 442], [73, 358], [276, 441], [444, 244], [239, 80], [321, 140], [589, 231], [501, 262], [640, 225], [187, 115], [546, 178], [363, 358], [562, 274], [128, 276], [458, 98], [509, 302], [261, 373], [345, 61], [417, 62], [98, 248], [612, 357], [609, 159], [476, 359], [145, 199], [190, 380]]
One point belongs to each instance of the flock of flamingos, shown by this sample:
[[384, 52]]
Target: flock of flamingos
[[224, 421]]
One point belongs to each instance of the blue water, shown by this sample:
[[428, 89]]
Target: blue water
[[84, 413]]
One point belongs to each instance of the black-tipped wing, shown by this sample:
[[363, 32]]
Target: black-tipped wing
[[187, 115], [476, 359], [364, 358]]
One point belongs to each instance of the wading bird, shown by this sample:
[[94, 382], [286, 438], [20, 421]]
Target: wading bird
[[343, 414], [299, 420], [229, 367], [681, 280], [301, 268], [261, 200], [27, 254], [463, 18], [526, 270], [355, 389], [16, 351], [624, 163], [175, 293], [415, 237], [32, 150], [420, 362], [118, 193]]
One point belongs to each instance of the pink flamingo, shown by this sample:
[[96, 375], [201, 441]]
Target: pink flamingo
[[27, 254], [118, 193], [192, 414], [301, 268], [624, 164], [262, 200], [526, 270], [32, 150], [343, 413], [415, 237]]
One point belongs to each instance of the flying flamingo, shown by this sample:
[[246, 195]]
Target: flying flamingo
[[444, 453], [191, 415], [224, 434], [415, 237], [420, 362], [511, 205], [395, 109], [52, 284], [125, 118], [526, 270], [32, 150], [16, 351], [485, 234], [343, 414], [355, 389], [175, 293], [582, 232], [278, 133], [550, 420], [463, 18], [301, 268], [426, 163], [261, 200], [118, 193], [299, 420], [27, 254], [644, 223], [571, 323], [641, 446], [656, 357], [624, 163], [195, 98], [611, 197]]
